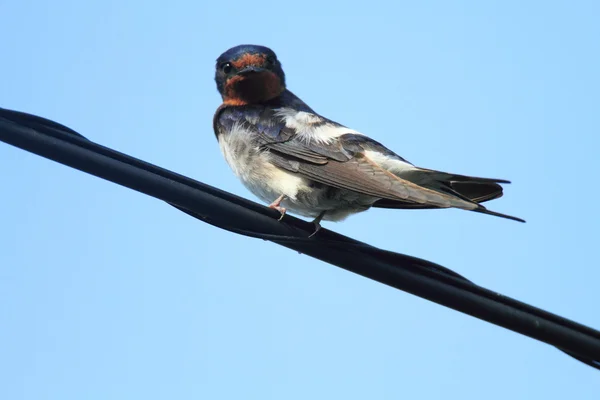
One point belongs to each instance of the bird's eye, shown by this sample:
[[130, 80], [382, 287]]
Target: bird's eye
[[271, 60], [226, 67]]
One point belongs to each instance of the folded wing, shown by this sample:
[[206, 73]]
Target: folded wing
[[328, 153]]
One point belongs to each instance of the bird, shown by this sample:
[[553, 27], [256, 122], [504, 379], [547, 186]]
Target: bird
[[297, 160]]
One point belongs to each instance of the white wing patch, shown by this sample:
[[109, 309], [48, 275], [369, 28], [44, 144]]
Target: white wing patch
[[392, 164], [311, 127]]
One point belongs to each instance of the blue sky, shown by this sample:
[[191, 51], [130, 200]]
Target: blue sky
[[108, 294]]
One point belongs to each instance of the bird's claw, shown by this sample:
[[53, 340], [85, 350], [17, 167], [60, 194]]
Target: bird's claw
[[317, 229], [282, 210], [276, 205], [317, 224]]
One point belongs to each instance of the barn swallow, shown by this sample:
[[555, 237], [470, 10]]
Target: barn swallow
[[297, 160]]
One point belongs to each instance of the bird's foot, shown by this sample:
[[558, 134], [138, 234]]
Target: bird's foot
[[282, 210], [317, 223], [317, 229], [276, 205]]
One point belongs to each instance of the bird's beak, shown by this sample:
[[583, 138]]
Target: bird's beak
[[250, 70]]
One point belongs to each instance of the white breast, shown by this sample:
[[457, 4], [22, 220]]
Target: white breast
[[252, 166]]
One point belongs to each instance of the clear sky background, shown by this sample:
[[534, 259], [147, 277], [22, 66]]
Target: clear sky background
[[106, 293]]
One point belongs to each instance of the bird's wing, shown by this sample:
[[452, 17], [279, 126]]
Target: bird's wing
[[324, 151], [331, 154]]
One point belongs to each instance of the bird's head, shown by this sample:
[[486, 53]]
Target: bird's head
[[249, 74]]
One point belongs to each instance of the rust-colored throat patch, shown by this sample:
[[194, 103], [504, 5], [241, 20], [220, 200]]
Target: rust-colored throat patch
[[256, 87]]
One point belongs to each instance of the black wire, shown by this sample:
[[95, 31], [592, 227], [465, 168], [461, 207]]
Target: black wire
[[235, 214]]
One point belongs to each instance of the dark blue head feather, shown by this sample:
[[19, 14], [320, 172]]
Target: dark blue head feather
[[235, 53]]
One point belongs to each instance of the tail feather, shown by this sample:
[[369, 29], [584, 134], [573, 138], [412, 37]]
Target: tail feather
[[484, 210], [450, 189], [472, 189], [460, 178]]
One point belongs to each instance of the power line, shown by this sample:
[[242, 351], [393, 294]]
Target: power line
[[235, 214]]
